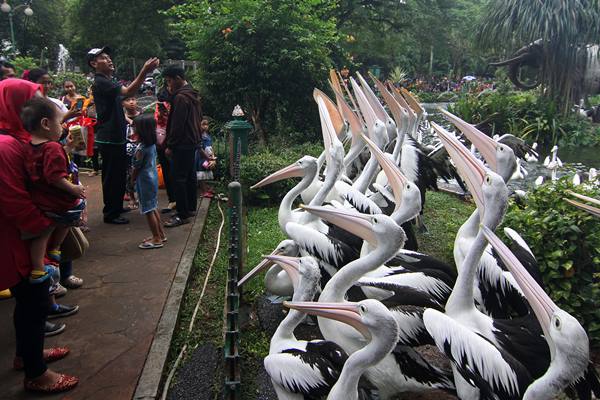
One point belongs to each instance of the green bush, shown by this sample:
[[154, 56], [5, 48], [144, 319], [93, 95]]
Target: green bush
[[263, 162], [79, 79], [526, 115], [566, 244]]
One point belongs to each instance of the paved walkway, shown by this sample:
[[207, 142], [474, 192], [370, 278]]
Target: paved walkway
[[120, 305]]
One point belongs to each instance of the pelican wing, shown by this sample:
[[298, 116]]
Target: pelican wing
[[491, 369], [361, 202], [311, 371], [321, 246], [415, 261], [414, 366]]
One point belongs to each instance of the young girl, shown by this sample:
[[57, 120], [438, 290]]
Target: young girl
[[145, 177], [131, 112], [205, 161]]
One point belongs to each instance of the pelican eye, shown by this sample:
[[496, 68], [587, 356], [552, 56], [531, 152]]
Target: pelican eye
[[374, 220], [557, 323], [363, 308], [488, 180]]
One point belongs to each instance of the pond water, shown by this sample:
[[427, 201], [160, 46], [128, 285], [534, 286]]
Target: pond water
[[575, 159]]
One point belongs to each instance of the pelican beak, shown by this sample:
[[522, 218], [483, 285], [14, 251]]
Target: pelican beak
[[352, 119], [395, 178], [485, 144], [372, 99], [291, 171], [412, 101], [291, 265], [542, 305], [352, 221], [470, 168], [391, 102], [365, 108], [264, 264], [337, 123], [585, 207], [348, 313]]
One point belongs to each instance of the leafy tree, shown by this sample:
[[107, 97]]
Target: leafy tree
[[135, 29], [266, 55], [563, 26]]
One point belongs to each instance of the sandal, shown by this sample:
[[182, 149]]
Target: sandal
[[50, 355], [72, 282], [150, 245], [64, 383], [176, 221], [164, 240]]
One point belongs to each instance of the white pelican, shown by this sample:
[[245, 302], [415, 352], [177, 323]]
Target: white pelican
[[553, 163], [405, 370], [300, 368], [277, 280], [374, 322]]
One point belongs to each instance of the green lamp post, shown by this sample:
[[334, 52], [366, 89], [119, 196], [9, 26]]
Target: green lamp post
[[6, 8], [238, 129]]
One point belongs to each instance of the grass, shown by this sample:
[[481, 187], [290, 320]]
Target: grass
[[208, 327]]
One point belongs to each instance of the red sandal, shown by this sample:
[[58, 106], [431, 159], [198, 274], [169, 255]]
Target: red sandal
[[53, 354], [64, 383]]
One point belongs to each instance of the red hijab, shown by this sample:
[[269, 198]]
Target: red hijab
[[13, 95]]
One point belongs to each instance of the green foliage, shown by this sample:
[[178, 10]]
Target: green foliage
[[266, 56], [262, 162], [566, 244], [22, 63], [80, 81], [525, 114]]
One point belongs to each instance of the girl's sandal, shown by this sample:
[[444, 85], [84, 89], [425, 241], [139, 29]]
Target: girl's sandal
[[150, 245], [64, 383], [149, 239], [50, 355], [72, 282]]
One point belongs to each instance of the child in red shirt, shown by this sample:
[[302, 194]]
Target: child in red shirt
[[50, 188]]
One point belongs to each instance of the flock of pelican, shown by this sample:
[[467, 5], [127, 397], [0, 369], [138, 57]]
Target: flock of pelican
[[349, 247]]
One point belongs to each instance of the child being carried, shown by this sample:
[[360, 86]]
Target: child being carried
[[53, 187]]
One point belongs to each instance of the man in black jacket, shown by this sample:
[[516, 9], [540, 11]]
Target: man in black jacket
[[111, 128], [182, 140]]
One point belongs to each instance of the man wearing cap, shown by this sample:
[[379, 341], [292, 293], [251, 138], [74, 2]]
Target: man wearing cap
[[111, 128]]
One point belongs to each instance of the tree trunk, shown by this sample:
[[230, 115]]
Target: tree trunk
[[257, 122]]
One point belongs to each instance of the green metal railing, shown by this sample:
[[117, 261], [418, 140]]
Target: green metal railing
[[238, 143]]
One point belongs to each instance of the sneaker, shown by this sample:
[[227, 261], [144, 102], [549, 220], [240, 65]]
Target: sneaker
[[54, 329], [61, 310], [58, 290], [72, 282]]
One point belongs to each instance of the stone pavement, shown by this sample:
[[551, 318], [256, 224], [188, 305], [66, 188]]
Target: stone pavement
[[120, 305]]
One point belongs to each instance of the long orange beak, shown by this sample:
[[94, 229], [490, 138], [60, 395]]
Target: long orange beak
[[352, 221], [291, 171], [348, 313], [470, 168]]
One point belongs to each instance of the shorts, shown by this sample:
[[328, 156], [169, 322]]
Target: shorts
[[70, 217]]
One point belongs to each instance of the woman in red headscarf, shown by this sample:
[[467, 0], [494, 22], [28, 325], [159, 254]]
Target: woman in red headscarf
[[19, 214]]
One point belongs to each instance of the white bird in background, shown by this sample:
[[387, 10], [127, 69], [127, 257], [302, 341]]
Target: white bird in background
[[539, 181], [531, 157], [553, 163], [576, 179]]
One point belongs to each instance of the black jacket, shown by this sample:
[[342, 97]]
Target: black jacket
[[183, 127]]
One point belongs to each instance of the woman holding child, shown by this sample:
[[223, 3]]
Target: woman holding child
[[19, 214]]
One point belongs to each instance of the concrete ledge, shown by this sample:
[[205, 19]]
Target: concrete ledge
[[149, 382]]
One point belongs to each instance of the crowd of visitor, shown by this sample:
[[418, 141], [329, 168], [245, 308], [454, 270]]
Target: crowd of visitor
[[43, 142], [445, 84]]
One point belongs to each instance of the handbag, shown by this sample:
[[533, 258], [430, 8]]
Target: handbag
[[75, 244]]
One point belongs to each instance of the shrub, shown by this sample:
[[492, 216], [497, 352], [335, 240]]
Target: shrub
[[526, 115], [566, 244], [262, 162]]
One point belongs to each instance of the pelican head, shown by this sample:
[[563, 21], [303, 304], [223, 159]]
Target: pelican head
[[488, 188], [369, 317], [500, 157], [375, 229], [567, 340], [303, 271], [306, 166], [285, 247]]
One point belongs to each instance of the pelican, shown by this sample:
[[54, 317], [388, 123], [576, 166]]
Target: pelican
[[595, 211], [389, 376], [277, 280], [376, 325], [553, 163], [299, 368]]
